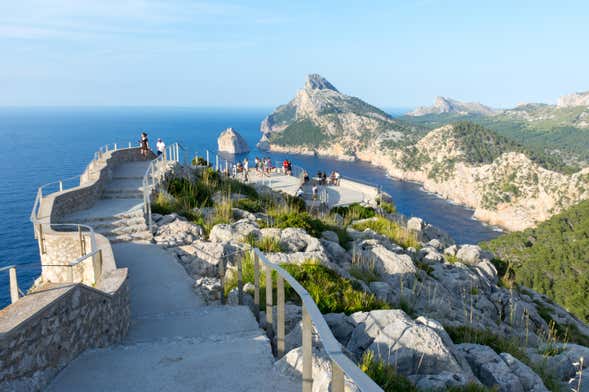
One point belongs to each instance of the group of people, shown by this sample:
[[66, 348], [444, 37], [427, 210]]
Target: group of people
[[287, 167], [263, 165], [333, 179], [242, 168], [144, 144]]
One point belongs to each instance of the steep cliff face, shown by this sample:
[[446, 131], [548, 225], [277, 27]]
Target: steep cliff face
[[574, 99], [448, 105], [505, 183], [505, 188], [319, 115]]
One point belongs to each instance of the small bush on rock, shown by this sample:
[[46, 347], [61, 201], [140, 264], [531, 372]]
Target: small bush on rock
[[390, 229], [384, 374]]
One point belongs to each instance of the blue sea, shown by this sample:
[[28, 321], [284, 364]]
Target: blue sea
[[42, 145]]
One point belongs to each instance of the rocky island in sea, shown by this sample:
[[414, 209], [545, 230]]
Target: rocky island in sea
[[231, 142], [507, 184]]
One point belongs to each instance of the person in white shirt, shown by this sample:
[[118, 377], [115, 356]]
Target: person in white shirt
[[161, 147], [300, 193]]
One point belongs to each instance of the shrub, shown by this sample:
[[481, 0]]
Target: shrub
[[250, 205], [354, 211], [331, 292], [268, 245], [384, 374], [301, 220], [390, 229], [388, 207], [464, 334]]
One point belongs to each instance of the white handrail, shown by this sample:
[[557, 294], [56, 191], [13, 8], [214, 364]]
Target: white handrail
[[332, 347], [171, 153]]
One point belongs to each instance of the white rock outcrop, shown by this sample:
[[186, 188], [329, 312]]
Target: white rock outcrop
[[230, 141]]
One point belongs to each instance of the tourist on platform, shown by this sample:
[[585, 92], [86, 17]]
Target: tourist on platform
[[300, 192], [289, 168], [161, 147], [285, 166], [305, 177], [315, 191], [144, 143], [337, 178], [246, 165], [332, 180], [257, 164], [324, 178]]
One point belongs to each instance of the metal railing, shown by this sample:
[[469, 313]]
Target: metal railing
[[153, 176], [15, 292], [341, 365]]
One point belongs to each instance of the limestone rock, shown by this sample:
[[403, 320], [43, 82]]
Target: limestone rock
[[449, 105], [237, 231], [230, 141], [490, 368], [176, 232], [472, 254], [292, 365], [574, 99]]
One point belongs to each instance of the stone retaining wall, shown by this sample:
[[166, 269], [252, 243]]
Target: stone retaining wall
[[42, 332]]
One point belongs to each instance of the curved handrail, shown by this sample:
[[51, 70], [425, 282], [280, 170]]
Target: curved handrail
[[332, 347]]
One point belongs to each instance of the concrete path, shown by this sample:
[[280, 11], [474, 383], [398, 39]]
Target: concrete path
[[175, 342]]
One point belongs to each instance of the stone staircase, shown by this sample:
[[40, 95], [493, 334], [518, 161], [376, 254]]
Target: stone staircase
[[175, 341], [118, 215]]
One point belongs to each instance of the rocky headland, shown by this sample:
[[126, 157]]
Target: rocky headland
[[505, 184]]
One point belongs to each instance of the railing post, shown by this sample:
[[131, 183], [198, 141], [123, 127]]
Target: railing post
[[256, 284], [129, 144], [70, 278], [307, 352], [60, 185], [269, 328], [239, 282], [13, 285], [208, 164], [337, 378], [177, 152], [81, 238], [222, 279], [279, 316], [216, 163], [41, 239]]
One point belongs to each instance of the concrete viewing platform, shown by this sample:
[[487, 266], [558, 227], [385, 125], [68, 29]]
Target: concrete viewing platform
[[346, 193]]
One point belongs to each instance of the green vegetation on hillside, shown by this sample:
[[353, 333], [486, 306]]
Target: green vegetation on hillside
[[556, 135], [331, 292], [482, 145], [552, 258], [300, 133]]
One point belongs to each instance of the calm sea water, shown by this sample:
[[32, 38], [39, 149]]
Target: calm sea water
[[41, 145]]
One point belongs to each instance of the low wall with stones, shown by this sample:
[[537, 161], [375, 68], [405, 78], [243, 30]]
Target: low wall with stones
[[43, 331], [62, 247]]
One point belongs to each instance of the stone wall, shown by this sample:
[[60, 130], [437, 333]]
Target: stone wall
[[61, 244], [43, 331]]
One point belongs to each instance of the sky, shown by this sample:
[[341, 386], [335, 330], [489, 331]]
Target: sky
[[258, 53]]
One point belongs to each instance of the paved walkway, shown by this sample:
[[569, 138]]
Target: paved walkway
[[348, 192], [175, 343]]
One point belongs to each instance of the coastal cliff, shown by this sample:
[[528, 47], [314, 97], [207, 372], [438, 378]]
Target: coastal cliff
[[506, 184]]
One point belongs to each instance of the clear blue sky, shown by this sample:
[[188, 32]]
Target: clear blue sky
[[257, 53]]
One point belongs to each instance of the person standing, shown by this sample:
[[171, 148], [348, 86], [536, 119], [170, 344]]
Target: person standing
[[144, 142], [161, 147]]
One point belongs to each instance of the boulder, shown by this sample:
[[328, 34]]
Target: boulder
[[291, 364], [472, 254], [176, 232], [230, 141], [330, 236], [530, 381], [490, 368], [297, 240], [438, 382], [385, 260], [237, 231], [413, 348], [341, 326], [209, 289]]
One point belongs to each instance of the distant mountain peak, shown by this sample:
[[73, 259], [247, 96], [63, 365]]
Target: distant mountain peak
[[449, 105], [318, 82]]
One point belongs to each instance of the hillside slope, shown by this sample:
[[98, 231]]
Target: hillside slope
[[552, 258]]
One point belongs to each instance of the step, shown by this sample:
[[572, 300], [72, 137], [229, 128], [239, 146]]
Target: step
[[127, 194], [118, 222], [231, 362], [134, 237], [122, 216], [122, 230]]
